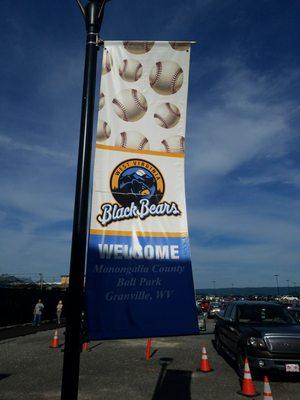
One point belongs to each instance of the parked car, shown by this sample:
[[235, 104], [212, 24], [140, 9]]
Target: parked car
[[213, 309], [201, 320], [295, 311], [264, 332], [204, 306], [288, 306]]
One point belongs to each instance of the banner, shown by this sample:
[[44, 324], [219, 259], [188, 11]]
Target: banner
[[139, 279]]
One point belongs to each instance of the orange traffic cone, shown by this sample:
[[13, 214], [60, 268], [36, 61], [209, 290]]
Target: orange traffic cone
[[248, 389], [204, 364], [85, 346], [148, 349], [55, 340], [267, 389]]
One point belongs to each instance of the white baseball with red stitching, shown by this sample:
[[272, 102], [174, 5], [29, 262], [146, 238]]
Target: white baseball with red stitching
[[166, 77], [130, 105], [167, 115], [173, 144], [103, 131], [107, 62], [101, 101], [180, 46], [132, 140], [130, 70], [138, 47]]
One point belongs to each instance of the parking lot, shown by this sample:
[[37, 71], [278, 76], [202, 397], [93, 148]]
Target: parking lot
[[112, 370]]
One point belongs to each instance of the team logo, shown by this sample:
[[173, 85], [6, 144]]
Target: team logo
[[134, 180], [138, 188]]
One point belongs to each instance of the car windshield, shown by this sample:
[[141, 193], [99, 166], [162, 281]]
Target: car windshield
[[264, 315], [295, 313]]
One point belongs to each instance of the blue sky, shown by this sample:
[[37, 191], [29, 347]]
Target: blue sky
[[243, 161]]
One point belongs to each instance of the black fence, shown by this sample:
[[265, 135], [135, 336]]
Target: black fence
[[17, 303]]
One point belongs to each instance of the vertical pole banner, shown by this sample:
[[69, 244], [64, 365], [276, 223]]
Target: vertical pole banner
[[139, 279]]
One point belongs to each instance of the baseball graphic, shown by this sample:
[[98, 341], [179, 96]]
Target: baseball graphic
[[167, 115], [132, 140], [130, 105], [180, 46], [173, 144], [101, 101], [103, 131], [130, 70], [107, 62], [166, 77], [138, 47]]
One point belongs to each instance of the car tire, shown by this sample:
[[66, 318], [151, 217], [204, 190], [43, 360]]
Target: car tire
[[218, 343], [240, 362]]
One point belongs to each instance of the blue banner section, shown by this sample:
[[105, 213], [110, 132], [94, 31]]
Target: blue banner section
[[139, 287]]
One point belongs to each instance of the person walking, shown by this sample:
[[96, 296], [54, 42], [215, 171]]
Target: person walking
[[59, 308], [37, 313]]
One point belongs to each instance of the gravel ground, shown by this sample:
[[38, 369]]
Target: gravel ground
[[117, 370]]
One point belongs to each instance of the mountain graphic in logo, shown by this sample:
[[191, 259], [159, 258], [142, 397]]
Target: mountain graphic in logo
[[134, 180]]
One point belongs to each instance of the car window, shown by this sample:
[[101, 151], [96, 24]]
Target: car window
[[233, 313], [263, 314], [228, 311], [295, 314]]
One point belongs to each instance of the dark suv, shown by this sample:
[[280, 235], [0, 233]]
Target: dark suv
[[264, 332]]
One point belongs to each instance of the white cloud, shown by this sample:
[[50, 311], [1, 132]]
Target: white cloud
[[241, 232], [261, 222], [15, 144], [24, 253], [185, 14], [244, 265], [241, 125], [279, 174]]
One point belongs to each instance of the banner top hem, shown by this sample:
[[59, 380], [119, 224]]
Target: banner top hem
[[150, 40]]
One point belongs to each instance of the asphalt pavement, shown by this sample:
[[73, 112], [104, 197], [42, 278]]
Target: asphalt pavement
[[117, 370], [11, 332]]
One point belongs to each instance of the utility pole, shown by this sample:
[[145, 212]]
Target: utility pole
[[277, 284], [92, 13]]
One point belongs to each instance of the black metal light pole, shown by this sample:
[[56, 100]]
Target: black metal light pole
[[93, 14]]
